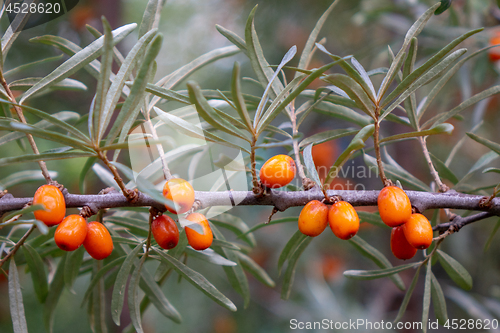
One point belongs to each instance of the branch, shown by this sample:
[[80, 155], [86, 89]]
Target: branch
[[282, 200]]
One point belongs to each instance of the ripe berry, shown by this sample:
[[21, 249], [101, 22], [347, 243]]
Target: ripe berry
[[55, 206], [181, 193], [98, 242], [400, 246], [71, 233], [418, 231], [394, 206], [278, 171], [165, 232], [313, 218], [195, 239], [343, 219], [494, 53]]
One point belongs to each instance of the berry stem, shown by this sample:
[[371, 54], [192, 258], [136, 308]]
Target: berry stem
[[20, 114]]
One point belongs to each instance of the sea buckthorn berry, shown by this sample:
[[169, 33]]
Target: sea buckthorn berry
[[418, 231], [494, 52], [394, 206], [165, 232], [98, 242], [71, 233], [181, 193], [400, 246], [195, 239], [343, 219], [53, 200], [313, 218], [278, 171]]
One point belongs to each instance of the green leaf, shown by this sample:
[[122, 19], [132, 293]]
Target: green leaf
[[372, 218], [443, 170], [491, 236], [133, 301], [307, 52], [98, 276], [66, 84], [439, 129], [265, 224], [377, 257], [377, 274], [410, 104], [118, 295], [438, 301], [397, 173], [490, 144], [286, 58], [97, 305], [327, 136], [206, 111], [186, 127], [86, 167], [455, 270], [480, 163], [309, 164], [357, 143], [131, 107], [44, 134], [236, 225], [23, 211], [406, 299], [103, 80], [36, 64], [440, 118], [167, 94], [210, 256], [289, 276], [79, 60], [289, 248], [353, 90], [116, 89], [342, 112], [445, 4], [427, 296], [37, 269], [197, 280], [417, 79], [251, 266], [55, 291], [257, 60], [16, 300], [233, 38], [72, 267], [239, 101], [151, 17], [235, 274]]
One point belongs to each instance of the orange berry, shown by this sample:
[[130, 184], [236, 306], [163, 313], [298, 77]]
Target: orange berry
[[181, 193], [278, 171], [98, 242], [195, 239], [400, 246], [494, 52], [394, 206], [71, 232], [313, 218], [53, 200], [343, 219], [165, 232], [418, 231]]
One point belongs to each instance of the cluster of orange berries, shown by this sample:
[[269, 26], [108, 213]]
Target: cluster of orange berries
[[164, 229], [410, 231], [73, 230]]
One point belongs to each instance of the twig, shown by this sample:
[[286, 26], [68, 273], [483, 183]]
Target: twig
[[129, 194], [19, 112], [18, 245], [376, 146]]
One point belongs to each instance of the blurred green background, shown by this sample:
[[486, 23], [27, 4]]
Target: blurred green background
[[363, 28]]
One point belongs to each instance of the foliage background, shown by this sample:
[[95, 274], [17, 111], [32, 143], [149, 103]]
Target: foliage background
[[362, 28]]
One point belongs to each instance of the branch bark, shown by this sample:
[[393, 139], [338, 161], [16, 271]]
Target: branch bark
[[282, 200]]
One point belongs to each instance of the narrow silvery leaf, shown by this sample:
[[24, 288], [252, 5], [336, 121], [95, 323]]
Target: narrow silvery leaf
[[310, 166], [364, 75], [16, 300]]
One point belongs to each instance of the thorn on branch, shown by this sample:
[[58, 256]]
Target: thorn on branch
[[274, 211]]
